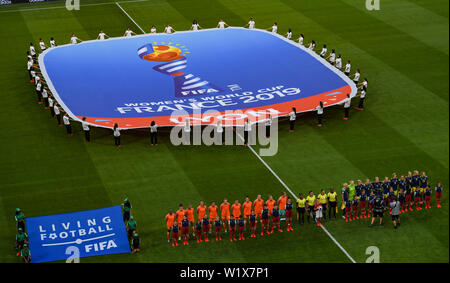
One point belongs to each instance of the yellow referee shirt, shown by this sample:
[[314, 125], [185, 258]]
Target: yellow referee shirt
[[301, 203], [310, 200], [332, 196], [322, 198]]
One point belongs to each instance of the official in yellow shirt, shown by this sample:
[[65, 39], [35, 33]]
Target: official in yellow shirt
[[310, 200], [301, 209], [332, 200]]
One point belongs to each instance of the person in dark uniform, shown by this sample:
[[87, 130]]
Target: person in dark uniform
[[25, 253], [205, 224], [265, 220], [175, 231], [21, 239], [20, 219], [136, 243], [232, 226], [126, 209], [378, 210], [116, 135], [252, 219], [198, 231], [218, 228], [241, 223]]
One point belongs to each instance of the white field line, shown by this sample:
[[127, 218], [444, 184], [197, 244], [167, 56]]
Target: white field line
[[64, 7], [118, 5], [295, 197]]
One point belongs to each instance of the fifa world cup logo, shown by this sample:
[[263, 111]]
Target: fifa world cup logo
[[186, 84]]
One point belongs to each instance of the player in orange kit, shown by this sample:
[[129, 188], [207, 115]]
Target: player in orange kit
[[258, 205], [282, 200], [247, 205], [213, 209], [180, 215], [236, 209], [170, 219], [225, 213], [190, 218], [201, 210], [270, 204]]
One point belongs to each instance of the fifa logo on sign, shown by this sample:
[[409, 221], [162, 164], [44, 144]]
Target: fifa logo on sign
[[373, 5], [74, 6], [186, 84]]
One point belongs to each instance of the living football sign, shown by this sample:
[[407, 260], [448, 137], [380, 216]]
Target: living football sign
[[85, 233]]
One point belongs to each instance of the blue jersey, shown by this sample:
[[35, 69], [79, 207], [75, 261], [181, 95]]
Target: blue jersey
[[415, 181], [198, 226], [376, 186], [401, 197], [217, 223], [417, 193], [289, 206], [355, 202], [175, 228], [438, 189], [275, 212], [348, 203], [363, 197], [409, 182], [345, 193], [401, 184], [232, 222], [428, 192], [371, 199], [394, 183], [241, 222], [265, 213], [386, 186], [391, 195], [423, 182], [185, 223], [205, 221], [358, 189], [368, 188], [252, 218]]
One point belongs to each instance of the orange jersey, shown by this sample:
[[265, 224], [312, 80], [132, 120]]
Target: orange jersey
[[212, 211], [258, 206], [170, 219], [270, 204], [190, 214], [180, 215], [282, 202], [225, 209], [201, 211], [236, 208], [247, 208]]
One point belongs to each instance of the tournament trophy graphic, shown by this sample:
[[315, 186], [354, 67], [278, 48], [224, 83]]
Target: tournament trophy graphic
[[186, 85]]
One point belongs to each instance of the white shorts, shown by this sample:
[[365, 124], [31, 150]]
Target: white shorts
[[319, 213]]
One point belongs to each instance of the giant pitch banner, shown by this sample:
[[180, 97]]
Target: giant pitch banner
[[80, 234], [135, 80]]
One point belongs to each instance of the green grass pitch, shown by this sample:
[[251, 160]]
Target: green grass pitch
[[403, 49]]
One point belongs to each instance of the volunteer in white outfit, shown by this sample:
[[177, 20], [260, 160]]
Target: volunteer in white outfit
[[153, 133], [289, 34], [247, 130], [153, 29], [348, 68], [292, 117], [86, 130], [45, 97], [332, 57], [30, 67], [301, 39], [319, 110], [312, 45], [129, 33], [251, 24], [195, 26], [116, 135], [362, 96], [338, 62], [356, 77], [220, 134], [324, 51], [66, 121], [347, 102], [74, 39], [364, 84], [52, 42], [57, 114], [42, 45], [169, 29], [274, 28], [32, 51], [38, 92], [102, 35], [268, 125], [222, 24], [50, 106]]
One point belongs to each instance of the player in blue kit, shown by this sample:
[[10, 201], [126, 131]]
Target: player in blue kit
[[276, 219], [252, 220], [402, 183], [355, 205], [438, 190], [401, 199], [205, 225], [423, 183], [175, 230], [218, 228], [415, 182], [358, 188], [241, 224], [348, 210], [363, 204], [418, 199], [198, 230], [385, 186], [368, 186], [232, 225], [371, 199], [288, 214], [185, 230], [427, 197], [394, 183], [265, 220], [376, 186]]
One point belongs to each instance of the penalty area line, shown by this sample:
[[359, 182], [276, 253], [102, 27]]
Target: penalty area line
[[295, 197], [125, 12]]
